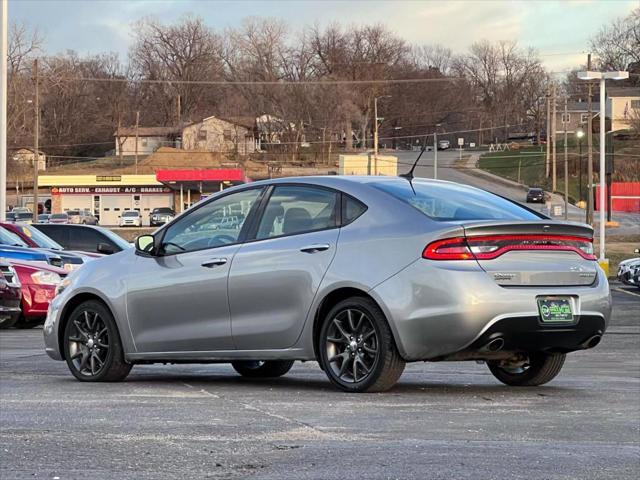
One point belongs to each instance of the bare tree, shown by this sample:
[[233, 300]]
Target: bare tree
[[618, 43]]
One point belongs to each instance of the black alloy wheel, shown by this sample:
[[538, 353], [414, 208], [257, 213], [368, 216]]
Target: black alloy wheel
[[92, 345], [356, 347]]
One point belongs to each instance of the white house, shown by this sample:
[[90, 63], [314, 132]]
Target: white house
[[24, 158], [216, 134], [623, 105], [149, 139]]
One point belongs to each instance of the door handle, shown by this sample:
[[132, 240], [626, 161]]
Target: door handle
[[316, 247], [214, 262]]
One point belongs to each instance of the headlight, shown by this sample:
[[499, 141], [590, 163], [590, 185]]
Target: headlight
[[46, 278], [62, 285]]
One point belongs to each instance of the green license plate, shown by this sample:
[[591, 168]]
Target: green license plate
[[555, 309]]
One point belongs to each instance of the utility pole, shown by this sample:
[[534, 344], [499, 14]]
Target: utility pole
[[137, 125], [36, 153], [548, 145], [179, 112], [3, 110], [553, 138], [435, 153], [566, 165], [589, 218], [375, 131]]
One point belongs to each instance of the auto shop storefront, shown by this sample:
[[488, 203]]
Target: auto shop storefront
[[107, 196]]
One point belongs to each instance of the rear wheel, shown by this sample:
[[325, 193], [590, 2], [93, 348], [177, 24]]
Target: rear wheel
[[356, 348], [539, 369], [92, 346], [262, 369], [8, 322]]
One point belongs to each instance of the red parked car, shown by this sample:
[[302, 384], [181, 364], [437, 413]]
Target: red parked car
[[38, 285]]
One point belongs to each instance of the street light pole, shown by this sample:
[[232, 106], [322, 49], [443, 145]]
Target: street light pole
[[602, 76], [435, 154], [579, 135], [375, 131], [3, 109]]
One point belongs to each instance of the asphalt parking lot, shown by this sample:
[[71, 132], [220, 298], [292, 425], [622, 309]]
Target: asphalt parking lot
[[449, 420]]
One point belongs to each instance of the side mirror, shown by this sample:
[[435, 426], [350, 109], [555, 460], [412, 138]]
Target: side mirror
[[105, 248], [146, 244]]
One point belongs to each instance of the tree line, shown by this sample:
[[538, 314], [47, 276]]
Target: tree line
[[491, 89]]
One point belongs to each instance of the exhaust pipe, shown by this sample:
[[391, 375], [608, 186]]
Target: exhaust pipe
[[495, 345], [592, 342]]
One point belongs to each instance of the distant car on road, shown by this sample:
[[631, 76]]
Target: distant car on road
[[535, 195], [10, 295], [444, 144], [84, 238], [82, 217], [362, 274], [59, 218], [131, 218], [160, 216]]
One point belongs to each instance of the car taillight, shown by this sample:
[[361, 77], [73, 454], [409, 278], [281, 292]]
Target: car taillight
[[492, 246]]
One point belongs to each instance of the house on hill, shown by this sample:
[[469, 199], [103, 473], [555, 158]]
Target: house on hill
[[623, 107], [25, 157], [149, 139], [222, 135]]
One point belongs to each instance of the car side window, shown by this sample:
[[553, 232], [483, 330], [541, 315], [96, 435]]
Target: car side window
[[351, 209], [298, 209], [215, 224]]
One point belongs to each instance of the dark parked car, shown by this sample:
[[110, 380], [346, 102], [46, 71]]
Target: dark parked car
[[85, 238], [160, 216], [10, 295], [535, 195]]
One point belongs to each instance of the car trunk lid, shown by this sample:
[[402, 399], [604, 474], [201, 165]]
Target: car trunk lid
[[533, 253]]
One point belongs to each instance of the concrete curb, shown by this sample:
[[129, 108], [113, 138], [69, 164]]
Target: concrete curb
[[473, 163]]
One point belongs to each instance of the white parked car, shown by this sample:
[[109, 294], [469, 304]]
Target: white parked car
[[131, 218], [626, 269]]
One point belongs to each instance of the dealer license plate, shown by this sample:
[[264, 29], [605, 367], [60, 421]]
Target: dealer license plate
[[555, 309]]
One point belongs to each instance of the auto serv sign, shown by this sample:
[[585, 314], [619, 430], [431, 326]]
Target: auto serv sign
[[107, 196]]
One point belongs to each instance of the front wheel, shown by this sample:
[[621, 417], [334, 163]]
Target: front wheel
[[92, 346], [540, 368], [262, 369], [356, 348]]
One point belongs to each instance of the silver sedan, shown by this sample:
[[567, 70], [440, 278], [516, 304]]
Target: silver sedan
[[362, 274]]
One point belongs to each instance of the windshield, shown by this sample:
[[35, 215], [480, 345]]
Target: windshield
[[130, 214], [73, 212], [40, 238], [162, 210], [10, 238], [58, 216], [451, 201], [114, 237]]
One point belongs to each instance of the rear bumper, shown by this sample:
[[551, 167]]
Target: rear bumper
[[437, 309]]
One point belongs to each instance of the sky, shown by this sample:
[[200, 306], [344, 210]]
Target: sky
[[560, 30]]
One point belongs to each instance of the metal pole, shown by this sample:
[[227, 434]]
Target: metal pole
[[36, 153], [137, 124], [602, 167], [375, 131], [566, 165], [548, 145], [3, 111], [589, 218], [553, 133], [181, 198], [580, 167], [435, 154]]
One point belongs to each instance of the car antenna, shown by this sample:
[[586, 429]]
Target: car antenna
[[409, 174]]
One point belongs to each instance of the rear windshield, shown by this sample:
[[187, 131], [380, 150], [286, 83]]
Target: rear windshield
[[73, 212], [162, 210], [451, 202], [59, 215]]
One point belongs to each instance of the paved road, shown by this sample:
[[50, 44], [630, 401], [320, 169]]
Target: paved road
[[449, 170], [448, 420]]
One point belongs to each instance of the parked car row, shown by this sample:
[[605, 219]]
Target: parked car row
[[629, 270], [32, 265]]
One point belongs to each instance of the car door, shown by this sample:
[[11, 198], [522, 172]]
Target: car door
[[275, 276], [177, 301]]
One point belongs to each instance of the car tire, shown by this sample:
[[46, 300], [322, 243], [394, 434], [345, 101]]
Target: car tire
[[354, 339], [92, 341], [262, 369], [24, 323], [8, 323], [542, 368]]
